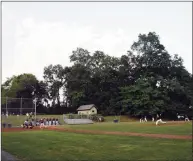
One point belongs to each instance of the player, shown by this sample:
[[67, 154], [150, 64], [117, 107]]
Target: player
[[25, 124], [50, 122], [37, 122], [41, 123], [33, 122], [30, 115], [186, 118], [31, 125], [47, 122], [57, 122], [145, 119], [159, 120], [141, 119], [7, 114], [54, 121]]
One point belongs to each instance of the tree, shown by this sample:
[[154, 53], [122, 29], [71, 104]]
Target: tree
[[77, 81], [54, 77], [154, 61], [80, 56], [142, 99], [23, 85], [41, 94], [145, 80]]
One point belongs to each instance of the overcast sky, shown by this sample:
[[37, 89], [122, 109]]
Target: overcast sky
[[38, 34]]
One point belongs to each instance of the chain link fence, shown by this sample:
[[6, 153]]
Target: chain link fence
[[15, 111]]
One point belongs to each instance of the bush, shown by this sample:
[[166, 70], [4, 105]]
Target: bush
[[97, 118]]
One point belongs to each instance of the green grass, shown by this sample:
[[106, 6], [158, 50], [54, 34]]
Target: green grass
[[179, 129], [120, 118], [50, 145]]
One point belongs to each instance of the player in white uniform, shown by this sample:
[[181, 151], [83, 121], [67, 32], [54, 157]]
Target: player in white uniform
[[41, 123], [159, 120]]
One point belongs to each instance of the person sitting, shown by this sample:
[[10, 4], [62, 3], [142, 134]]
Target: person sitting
[[25, 124], [31, 125]]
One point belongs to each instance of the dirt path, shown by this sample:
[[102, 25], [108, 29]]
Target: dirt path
[[169, 123], [166, 136], [186, 137]]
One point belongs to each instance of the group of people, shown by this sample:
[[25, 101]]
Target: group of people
[[28, 124], [29, 115], [48, 122], [159, 120], [182, 117], [43, 122]]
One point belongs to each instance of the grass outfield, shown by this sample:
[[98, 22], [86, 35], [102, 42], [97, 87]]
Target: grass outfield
[[61, 146], [176, 129]]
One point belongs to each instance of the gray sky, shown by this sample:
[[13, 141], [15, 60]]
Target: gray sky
[[38, 34]]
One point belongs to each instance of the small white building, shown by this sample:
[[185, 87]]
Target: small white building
[[87, 110]]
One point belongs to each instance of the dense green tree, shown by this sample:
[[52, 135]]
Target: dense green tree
[[54, 77], [23, 85]]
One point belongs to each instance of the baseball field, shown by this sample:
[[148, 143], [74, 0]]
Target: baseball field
[[101, 141]]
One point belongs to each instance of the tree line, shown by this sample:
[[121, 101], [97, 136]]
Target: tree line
[[145, 81]]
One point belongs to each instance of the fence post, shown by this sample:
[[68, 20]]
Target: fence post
[[21, 106], [35, 110], [6, 105]]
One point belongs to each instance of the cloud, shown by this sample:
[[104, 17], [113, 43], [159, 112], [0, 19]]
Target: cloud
[[38, 44]]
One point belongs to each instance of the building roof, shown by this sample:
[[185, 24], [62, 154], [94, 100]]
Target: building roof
[[85, 107]]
